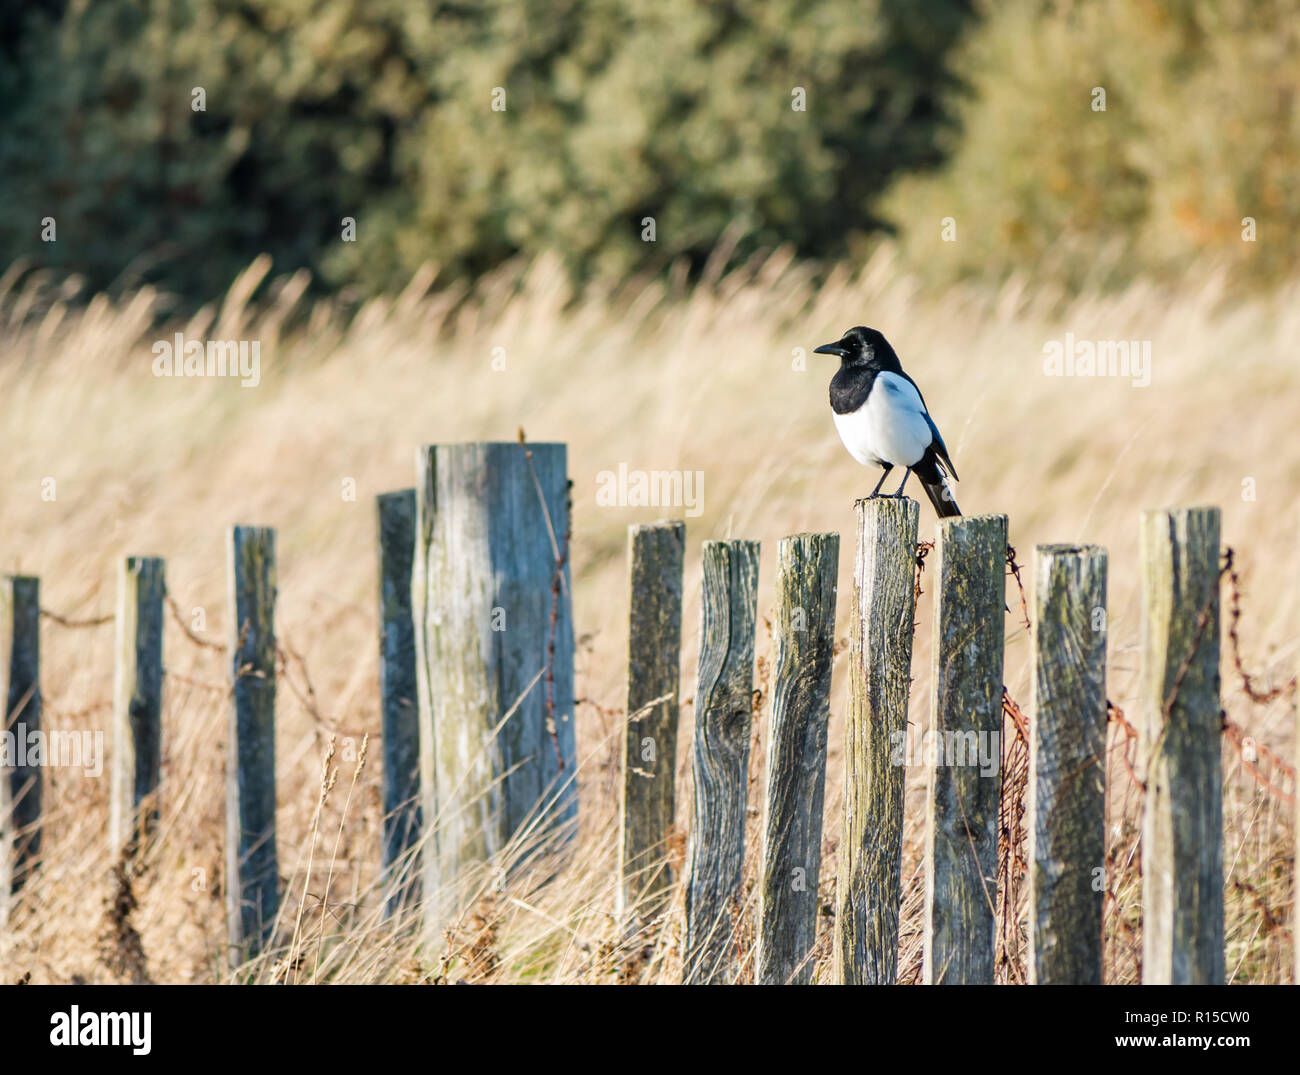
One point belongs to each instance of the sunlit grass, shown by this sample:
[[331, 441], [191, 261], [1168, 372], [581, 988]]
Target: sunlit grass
[[718, 379]]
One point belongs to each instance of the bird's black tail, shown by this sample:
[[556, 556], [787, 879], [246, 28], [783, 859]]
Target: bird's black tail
[[945, 504]]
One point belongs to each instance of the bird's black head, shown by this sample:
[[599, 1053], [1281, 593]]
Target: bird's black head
[[862, 346]]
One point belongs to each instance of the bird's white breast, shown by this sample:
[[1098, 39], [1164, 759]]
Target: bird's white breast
[[890, 427]]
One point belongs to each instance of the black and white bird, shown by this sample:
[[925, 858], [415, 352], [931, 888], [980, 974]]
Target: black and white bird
[[882, 420]]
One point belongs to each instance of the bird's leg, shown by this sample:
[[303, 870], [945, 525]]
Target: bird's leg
[[899, 491], [876, 491]]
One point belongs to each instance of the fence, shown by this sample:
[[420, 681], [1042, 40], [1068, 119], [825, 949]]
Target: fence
[[485, 537]]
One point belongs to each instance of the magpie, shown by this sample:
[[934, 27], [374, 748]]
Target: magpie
[[882, 420]]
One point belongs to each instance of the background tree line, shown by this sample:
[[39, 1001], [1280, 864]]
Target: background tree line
[[619, 110]]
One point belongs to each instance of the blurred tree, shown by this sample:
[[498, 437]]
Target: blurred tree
[[785, 120], [301, 100], [1200, 130]]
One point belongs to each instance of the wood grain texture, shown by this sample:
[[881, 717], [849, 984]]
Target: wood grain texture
[[397, 699], [649, 786], [252, 871], [493, 755], [137, 702], [961, 831], [1181, 744], [1067, 770], [723, 706], [806, 574], [20, 812], [868, 884]]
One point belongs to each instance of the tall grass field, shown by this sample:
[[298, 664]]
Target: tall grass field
[[101, 458]]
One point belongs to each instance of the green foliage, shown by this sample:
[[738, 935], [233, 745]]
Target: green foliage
[[616, 111], [381, 110], [1201, 130]]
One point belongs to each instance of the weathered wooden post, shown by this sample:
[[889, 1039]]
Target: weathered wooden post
[[868, 886], [1181, 741], [20, 814], [397, 698], [723, 706], [252, 872], [806, 574], [490, 599], [961, 830], [137, 702], [655, 554], [1067, 766]]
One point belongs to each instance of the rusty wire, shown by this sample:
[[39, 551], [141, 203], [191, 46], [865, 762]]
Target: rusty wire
[[68, 621], [185, 627], [1013, 860], [1260, 697], [561, 554], [1013, 569]]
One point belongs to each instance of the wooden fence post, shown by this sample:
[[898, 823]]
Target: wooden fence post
[[252, 871], [20, 813], [868, 886], [1067, 766], [961, 830], [137, 702], [491, 604], [723, 708], [649, 791], [806, 575], [397, 699], [1181, 740]]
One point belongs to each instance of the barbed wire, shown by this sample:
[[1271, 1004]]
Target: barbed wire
[[1115, 716], [1185, 665], [68, 621], [189, 681], [56, 710], [603, 710], [187, 630], [923, 549], [77, 714], [1234, 641], [306, 694], [1236, 735], [1014, 570], [561, 554], [1233, 733], [1244, 745], [1013, 862]]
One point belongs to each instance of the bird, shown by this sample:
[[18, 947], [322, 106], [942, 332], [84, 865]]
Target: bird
[[882, 419]]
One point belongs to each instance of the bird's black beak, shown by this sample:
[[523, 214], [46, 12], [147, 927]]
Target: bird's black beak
[[836, 348]]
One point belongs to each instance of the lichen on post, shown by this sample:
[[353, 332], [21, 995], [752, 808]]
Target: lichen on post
[[491, 605]]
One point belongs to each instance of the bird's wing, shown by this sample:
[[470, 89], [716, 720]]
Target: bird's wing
[[940, 449]]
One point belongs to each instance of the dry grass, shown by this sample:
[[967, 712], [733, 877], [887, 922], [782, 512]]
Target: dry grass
[[650, 375]]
